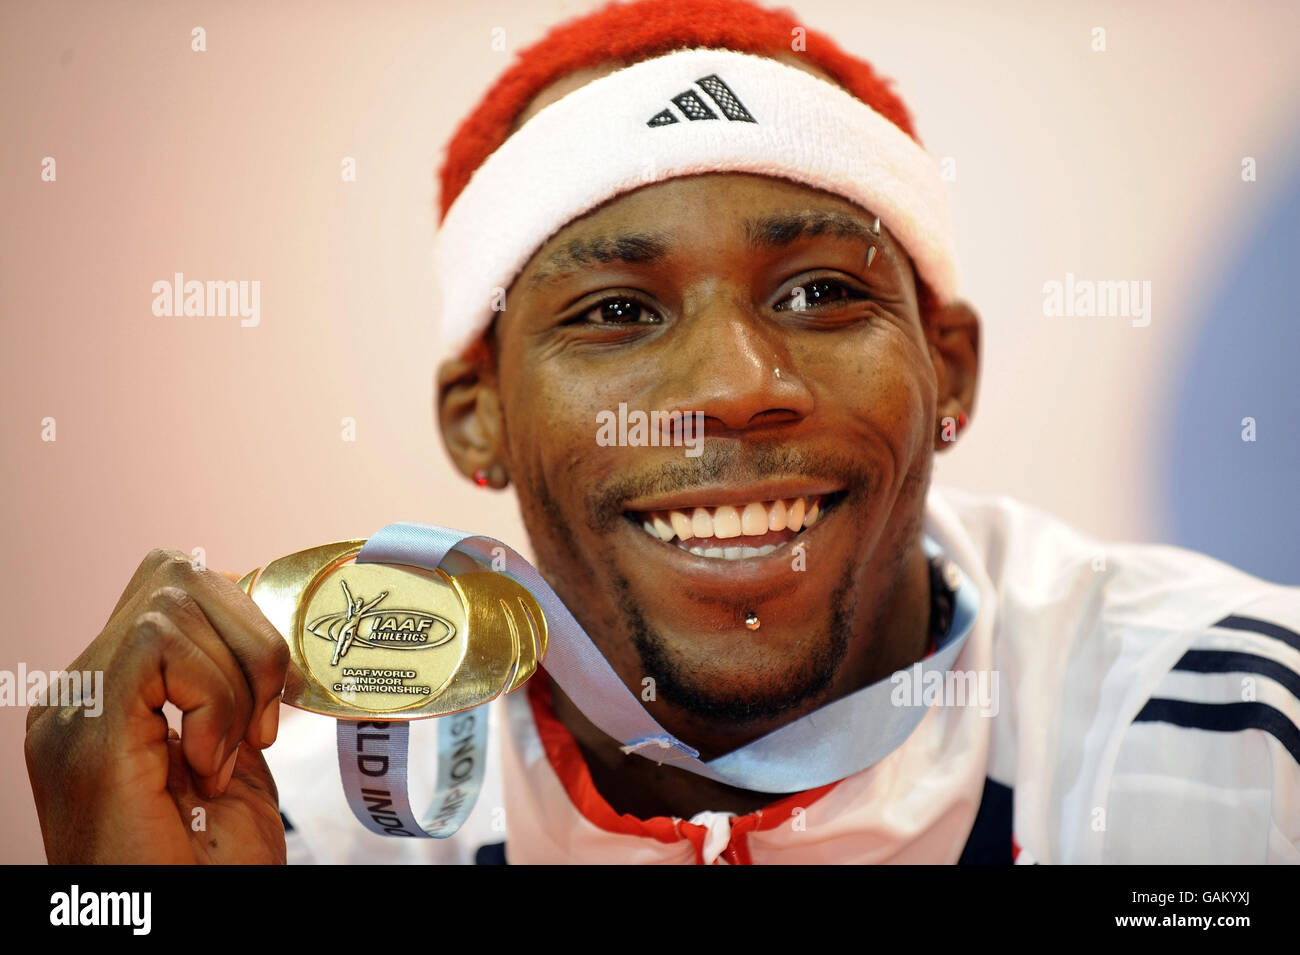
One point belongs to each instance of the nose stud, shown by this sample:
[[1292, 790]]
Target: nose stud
[[777, 372], [751, 621]]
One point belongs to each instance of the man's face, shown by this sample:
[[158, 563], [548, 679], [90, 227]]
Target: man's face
[[684, 296]]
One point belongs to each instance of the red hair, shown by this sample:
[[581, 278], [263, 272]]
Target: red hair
[[629, 32]]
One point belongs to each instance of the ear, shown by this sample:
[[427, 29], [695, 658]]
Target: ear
[[953, 335], [468, 408]]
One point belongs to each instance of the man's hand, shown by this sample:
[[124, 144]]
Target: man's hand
[[121, 788]]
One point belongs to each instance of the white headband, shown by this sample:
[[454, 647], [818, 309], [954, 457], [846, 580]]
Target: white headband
[[688, 112]]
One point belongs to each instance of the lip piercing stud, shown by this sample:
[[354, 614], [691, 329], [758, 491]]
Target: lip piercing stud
[[751, 621]]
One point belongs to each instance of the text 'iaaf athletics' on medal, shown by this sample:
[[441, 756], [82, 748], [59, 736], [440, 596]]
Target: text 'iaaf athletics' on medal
[[393, 641]]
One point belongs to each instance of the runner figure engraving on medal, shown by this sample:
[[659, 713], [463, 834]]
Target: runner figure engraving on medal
[[348, 630]]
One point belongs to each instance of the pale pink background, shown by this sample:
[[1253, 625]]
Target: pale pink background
[[189, 432]]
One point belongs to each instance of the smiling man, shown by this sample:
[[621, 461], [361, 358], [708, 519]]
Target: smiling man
[[804, 510], [672, 208]]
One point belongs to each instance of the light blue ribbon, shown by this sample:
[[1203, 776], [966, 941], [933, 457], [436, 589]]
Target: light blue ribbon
[[372, 763], [829, 744]]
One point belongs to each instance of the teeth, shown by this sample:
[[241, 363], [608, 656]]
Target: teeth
[[753, 521], [725, 522], [733, 553], [794, 516]]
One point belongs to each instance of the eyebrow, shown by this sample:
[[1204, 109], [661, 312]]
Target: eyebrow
[[645, 248]]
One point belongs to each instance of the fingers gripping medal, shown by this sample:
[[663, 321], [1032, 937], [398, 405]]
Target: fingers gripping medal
[[378, 644]]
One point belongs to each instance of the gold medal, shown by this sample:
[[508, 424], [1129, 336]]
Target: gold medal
[[373, 641]]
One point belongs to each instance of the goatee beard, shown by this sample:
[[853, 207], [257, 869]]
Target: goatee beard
[[679, 684]]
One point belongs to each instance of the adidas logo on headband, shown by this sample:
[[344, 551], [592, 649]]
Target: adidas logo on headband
[[693, 106]]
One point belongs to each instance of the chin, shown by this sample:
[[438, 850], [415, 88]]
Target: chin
[[706, 661]]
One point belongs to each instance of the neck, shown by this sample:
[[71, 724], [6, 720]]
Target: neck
[[636, 785]]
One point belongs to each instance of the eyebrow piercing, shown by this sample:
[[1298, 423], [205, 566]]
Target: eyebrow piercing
[[875, 226], [871, 253]]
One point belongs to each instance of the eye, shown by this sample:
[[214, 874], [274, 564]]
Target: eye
[[619, 310], [821, 293]]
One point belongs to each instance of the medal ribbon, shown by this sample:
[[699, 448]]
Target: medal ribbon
[[829, 744], [372, 762]]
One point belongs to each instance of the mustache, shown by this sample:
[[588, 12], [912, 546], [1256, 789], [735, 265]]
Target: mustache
[[725, 464]]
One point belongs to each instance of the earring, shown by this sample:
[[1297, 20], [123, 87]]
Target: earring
[[496, 477], [950, 427]]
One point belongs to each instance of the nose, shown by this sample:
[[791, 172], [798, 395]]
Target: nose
[[735, 367]]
